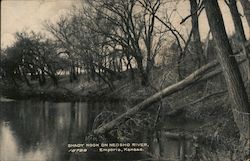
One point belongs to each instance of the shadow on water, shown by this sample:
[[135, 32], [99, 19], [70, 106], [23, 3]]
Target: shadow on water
[[40, 130]]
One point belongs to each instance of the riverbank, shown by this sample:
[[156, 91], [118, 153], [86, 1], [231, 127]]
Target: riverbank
[[64, 92], [82, 89], [75, 91]]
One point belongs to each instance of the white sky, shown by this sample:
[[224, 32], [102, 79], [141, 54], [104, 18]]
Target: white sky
[[19, 15]]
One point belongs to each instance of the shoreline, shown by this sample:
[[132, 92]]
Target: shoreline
[[56, 96], [64, 95], [72, 92]]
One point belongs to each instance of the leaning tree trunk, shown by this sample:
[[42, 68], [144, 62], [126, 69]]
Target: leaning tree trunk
[[246, 8], [192, 78], [239, 31], [236, 89]]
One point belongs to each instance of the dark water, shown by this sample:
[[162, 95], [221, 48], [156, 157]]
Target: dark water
[[40, 130]]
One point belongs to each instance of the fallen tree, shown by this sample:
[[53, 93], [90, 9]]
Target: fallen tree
[[198, 75]]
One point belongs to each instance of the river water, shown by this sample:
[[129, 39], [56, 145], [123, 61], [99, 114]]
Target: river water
[[40, 130], [32, 130]]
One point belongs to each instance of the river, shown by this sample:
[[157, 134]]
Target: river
[[32, 130], [40, 131]]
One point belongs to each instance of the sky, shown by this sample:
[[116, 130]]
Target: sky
[[19, 15]]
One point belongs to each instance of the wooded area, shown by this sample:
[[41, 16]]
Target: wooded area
[[111, 43]]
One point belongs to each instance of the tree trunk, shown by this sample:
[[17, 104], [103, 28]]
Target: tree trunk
[[54, 79], [246, 8], [72, 75], [25, 78], [236, 89], [195, 31], [129, 66], [92, 71], [19, 73], [143, 73], [42, 79], [239, 31]]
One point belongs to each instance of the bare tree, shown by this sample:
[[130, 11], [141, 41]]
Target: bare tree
[[134, 29]]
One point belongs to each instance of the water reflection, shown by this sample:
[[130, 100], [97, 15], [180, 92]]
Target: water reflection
[[40, 131], [10, 150]]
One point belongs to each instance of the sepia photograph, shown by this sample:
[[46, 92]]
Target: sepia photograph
[[125, 80]]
